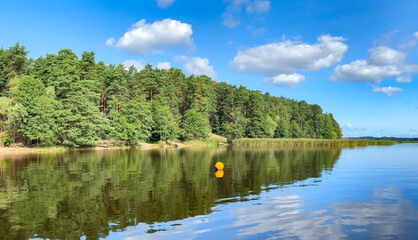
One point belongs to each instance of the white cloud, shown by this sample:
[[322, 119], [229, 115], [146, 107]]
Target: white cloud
[[235, 8], [287, 57], [288, 80], [258, 6], [109, 42], [412, 42], [386, 90], [163, 65], [164, 3], [229, 20], [383, 55], [137, 64], [144, 37], [198, 66], [364, 71], [404, 79], [383, 63], [350, 128]]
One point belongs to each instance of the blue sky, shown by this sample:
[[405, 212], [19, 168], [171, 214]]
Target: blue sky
[[357, 59]]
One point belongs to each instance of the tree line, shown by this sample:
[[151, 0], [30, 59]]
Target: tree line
[[61, 99]]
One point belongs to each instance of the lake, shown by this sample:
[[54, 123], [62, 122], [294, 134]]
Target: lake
[[264, 193]]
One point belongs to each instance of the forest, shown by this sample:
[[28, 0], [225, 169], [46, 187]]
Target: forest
[[61, 99]]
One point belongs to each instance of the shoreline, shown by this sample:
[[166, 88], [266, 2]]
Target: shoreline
[[141, 146], [237, 142]]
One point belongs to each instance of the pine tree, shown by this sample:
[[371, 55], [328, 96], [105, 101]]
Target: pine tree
[[13, 62]]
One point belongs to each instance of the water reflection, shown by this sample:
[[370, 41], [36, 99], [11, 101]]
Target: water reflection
[[388, 215], [90, 194], [290, 217], [285, 217]]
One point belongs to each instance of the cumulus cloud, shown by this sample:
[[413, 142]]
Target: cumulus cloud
[[385, 56], [164, 65], [289, 80], [236, 7], [384, 62], [164, 3], [386, 90], [144, 37], [287, 57], [198, 66], [139, 65], [364, 71]]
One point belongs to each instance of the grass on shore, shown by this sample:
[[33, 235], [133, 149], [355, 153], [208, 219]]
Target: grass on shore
[[206, 142], [308, 142], [34, 149]]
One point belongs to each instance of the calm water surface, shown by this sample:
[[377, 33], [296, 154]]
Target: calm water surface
[[266, 193]]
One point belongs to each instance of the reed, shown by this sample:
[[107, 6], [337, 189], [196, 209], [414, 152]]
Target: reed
[[308, 142]]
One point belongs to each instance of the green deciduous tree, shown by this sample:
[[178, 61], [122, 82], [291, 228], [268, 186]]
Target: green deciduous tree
[[165, 123], [195, 125], [236, 128], [45, 125], [133, 122], [282, 129]]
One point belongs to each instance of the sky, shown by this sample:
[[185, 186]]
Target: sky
[[357, 59]]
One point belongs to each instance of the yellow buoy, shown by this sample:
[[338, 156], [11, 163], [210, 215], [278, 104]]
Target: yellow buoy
[[219, 173], [219, 165]]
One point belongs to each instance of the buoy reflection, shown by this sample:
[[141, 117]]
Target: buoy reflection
[[219, 173]]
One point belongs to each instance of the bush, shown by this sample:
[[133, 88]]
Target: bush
[[7, 141]]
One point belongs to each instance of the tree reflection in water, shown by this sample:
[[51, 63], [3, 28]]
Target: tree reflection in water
[[75, 194]]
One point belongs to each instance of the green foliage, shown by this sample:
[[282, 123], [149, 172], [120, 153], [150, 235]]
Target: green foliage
[[17, 116], [26, 89], [5, 104], [82, 122], [66, 100], [6, 141], [195, 126], [282, 129], [13, 62], [133, 122], [45, 123], [257, 124], [295, 130], [165, 123], [236, 128], [270, 126]]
